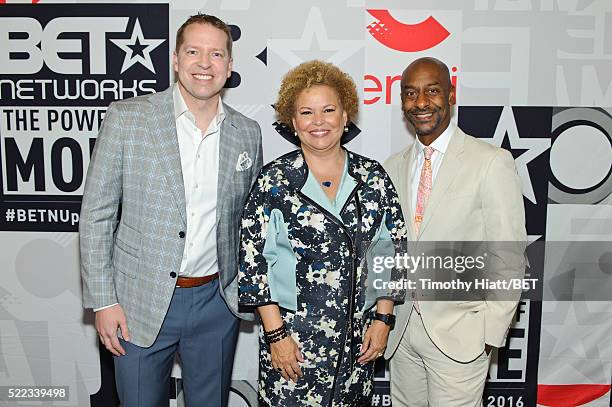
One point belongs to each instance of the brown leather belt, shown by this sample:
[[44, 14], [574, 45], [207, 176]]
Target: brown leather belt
[[189, 282]]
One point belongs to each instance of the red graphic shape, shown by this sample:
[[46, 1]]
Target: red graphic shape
[[406, 37], [570, 395], [33, 1]]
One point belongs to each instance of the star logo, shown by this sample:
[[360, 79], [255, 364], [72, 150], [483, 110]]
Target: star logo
[[568, 328], [314, 44], [137, 49], [524, 150]]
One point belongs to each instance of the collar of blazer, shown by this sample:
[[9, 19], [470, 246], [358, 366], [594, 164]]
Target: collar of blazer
[[451, 163], [162, 125]]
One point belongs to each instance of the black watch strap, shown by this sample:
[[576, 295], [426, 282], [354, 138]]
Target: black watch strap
[[388, 319]]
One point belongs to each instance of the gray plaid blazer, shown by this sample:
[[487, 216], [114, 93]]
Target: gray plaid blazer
[[133, 210]]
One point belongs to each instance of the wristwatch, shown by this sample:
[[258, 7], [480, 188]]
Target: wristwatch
[[388, 319]]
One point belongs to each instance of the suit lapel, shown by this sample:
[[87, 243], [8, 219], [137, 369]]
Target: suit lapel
[[451, 163], [228, 149], [163, 128]]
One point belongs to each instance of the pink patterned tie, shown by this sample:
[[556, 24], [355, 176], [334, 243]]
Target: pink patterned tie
[[425, 183]]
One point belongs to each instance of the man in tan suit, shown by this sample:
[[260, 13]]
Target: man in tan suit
[[452, 187]]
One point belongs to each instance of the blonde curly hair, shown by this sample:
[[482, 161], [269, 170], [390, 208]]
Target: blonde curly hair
[[310, 74]]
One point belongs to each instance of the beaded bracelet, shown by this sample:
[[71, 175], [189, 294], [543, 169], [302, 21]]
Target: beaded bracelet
[[276, 335], [275, 331], [277, 338]]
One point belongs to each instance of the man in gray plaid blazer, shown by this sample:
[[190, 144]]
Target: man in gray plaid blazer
[[159, 226]]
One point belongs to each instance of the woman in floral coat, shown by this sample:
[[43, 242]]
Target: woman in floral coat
[[310, 222]]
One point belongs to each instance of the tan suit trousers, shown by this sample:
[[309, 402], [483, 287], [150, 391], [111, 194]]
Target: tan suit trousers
[[421, 375]]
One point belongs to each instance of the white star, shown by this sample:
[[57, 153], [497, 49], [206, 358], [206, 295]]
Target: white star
[[574, 328], [314, 27], [534, 147], [137, 37], [568, 336]]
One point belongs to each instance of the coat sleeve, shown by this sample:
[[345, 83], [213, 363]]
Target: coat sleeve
[[253, 280], [396, 227], [385, 281], [101, 198], [504, 216]]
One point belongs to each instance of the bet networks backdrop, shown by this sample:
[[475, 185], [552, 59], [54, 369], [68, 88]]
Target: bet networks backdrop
[[532, 76]]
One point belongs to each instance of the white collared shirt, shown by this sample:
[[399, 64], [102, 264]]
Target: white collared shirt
[[439, 145], [200, 164]]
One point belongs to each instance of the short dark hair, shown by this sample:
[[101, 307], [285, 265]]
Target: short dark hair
[[204, 19]]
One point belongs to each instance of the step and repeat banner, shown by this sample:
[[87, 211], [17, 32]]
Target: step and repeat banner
[[532, 76]]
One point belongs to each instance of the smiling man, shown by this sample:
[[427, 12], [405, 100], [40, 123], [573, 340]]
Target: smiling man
[[160, 223], [452, 187]]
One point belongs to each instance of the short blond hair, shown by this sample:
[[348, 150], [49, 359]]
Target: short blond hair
[[310, 74], [204, 19]]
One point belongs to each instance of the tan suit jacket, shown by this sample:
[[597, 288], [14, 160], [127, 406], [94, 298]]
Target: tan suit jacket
[[476, 196]]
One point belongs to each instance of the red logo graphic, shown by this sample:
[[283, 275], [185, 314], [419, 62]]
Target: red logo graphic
[[567, 395], [406, 37], [385, 87], [33, 1]]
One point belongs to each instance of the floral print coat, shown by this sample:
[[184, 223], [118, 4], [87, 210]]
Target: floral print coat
[[310, 261]]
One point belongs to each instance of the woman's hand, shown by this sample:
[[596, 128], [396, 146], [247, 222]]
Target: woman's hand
[[285, 357], [374, 342], [285, 353]]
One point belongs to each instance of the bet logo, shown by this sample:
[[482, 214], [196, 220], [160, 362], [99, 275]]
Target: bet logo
[[406, 37]]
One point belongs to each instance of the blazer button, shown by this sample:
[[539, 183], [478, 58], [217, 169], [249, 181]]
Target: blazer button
[[172, 274], [182, 234]]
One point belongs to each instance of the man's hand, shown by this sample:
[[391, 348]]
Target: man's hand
[[374, 342], [107, 322]]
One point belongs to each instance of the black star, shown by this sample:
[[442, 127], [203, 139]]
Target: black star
[[137, 48], [516, 152]]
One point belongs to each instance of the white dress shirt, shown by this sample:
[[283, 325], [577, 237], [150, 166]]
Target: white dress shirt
[[200, 164], [439, 145]]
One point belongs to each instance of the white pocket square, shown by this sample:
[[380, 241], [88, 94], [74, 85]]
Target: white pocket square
[[244, 162]]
